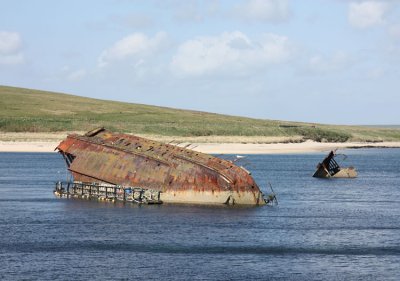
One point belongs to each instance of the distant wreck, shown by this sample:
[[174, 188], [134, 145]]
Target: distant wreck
[[329, 168], [112, 166]]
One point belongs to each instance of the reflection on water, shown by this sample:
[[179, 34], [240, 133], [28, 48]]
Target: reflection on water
[[321, 229]]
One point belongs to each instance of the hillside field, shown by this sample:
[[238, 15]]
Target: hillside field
[[33, 111]]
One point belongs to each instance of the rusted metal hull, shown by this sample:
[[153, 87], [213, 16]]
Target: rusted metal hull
[[216, 197], [342, 173], [329, 168], [181, 175]]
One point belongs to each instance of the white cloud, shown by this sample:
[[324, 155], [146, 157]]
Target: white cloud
[[132, 20], [367, 13], [10, 42], [376, 73], [230, 53], [77, 75], [136, 45], [10, 48], [393, 49], [190, 10], [394, 31], [263, 10], [320, 64]]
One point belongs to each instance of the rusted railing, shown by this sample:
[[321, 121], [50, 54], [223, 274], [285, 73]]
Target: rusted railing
[[107, 192]]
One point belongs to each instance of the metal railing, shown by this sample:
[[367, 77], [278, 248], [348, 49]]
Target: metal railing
[[107, 192]]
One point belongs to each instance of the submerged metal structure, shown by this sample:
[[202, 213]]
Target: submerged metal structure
[[329, 168], [180, 175]]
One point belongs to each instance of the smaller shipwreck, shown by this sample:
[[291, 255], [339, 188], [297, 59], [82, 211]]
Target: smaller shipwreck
[[329, 168], [114, 166]]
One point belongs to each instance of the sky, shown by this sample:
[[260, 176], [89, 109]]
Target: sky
[[323, 61]]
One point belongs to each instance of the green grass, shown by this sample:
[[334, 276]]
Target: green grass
[[26, 110]]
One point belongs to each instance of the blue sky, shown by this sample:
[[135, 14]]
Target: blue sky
[[326, 61]]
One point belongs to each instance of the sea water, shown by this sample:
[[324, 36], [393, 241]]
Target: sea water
[[338, 229]]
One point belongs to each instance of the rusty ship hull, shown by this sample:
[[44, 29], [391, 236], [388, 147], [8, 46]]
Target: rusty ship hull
[[181, 175], [349, 172], [329, 168]]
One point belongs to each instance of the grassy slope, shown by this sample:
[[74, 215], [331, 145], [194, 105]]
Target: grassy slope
[[25, 110]]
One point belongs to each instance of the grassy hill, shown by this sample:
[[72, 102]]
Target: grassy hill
[[26, 110]]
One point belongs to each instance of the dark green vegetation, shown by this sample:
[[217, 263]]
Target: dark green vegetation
[[25, 110]]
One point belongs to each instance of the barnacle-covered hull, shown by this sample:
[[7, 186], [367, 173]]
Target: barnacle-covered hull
[[181, 175]]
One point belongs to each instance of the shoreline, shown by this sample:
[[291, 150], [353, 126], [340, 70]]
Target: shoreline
[[220, 148]]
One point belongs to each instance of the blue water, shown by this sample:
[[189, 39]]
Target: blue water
[[341, 229]]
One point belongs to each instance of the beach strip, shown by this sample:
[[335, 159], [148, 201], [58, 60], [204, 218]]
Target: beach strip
[[219, 148]]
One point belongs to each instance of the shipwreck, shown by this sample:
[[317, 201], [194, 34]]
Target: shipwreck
[[121, 166], [329, 168]]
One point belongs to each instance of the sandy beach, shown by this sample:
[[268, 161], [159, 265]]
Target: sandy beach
[[284, 148], [216, 148]]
